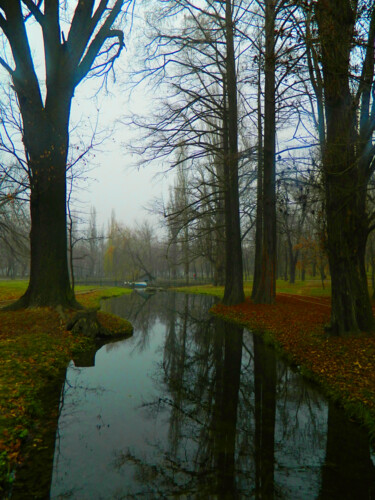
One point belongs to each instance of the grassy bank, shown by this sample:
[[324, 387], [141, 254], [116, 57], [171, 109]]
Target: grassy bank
[[35, 348], [343, 367], [309, 288]]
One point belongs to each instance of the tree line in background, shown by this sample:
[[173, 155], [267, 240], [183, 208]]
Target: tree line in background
[[265, 109], [181, 253]]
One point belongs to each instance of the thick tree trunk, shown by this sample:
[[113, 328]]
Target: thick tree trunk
[[49, 278], [266, 292], [233, 292], [345, 174], [46, 142], [346, 244]]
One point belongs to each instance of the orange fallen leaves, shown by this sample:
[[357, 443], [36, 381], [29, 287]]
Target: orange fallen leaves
[[345, 366]]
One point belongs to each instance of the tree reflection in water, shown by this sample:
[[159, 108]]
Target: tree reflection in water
[[200, 377], [228, 418], [265, 416]]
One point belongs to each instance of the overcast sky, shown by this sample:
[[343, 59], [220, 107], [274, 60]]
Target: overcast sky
[[113, 181], [116, 184]]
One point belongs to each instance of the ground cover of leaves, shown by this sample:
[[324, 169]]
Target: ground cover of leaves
[[35, 349], [343, 366]]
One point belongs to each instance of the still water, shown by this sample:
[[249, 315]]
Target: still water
[[192, 407]]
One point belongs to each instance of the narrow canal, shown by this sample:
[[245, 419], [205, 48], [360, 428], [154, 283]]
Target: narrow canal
[[192, 407]]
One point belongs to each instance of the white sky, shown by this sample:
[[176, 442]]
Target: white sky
[[116, 184]]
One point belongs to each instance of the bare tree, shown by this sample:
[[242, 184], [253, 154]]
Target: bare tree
[[90, 47], [202, 112], [340, 37]]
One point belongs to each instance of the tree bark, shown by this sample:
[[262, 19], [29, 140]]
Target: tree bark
[[259, 216], [293, 258], [46, 141], [233, 291], [266, 292], [345, 173], [49, 278], [347, 231]]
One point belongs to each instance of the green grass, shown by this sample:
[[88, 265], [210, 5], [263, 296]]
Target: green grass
[[13, 289], [308, 288], [217, 291], [90, 296]]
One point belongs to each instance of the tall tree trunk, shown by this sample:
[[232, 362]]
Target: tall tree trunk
[[345, 176], [266, 292], [293, 257], [286, 261], [233, 292], [46, 143], [346, 243], [372, 263], [259, 219]]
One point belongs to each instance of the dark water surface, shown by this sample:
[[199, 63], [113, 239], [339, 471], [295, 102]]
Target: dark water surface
[[191, 407]]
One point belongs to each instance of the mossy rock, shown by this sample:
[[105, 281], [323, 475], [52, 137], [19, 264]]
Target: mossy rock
[[87, 323]]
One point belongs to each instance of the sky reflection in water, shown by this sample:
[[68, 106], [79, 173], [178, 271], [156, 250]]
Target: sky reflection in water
[[191, 407]]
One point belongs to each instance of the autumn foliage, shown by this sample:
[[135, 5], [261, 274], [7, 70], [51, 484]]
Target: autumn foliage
[[344, 366]]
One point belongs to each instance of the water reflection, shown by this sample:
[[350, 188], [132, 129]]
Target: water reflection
[[192, 407], [348, 469], [265, 417]]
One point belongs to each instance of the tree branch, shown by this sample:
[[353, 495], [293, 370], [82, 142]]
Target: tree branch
[[103, 34], [34, 9]]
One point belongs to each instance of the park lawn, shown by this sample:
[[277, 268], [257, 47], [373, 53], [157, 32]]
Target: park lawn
[[342, 366], [35, 349], [311, 287], [13, 289]]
